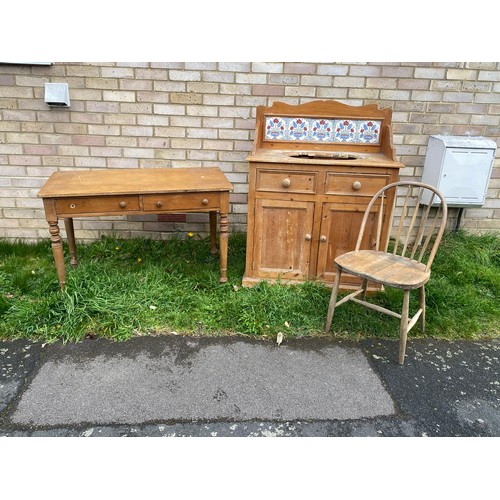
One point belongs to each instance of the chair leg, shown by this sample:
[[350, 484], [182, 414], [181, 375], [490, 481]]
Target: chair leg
[[364, 286], [421, 297], [403, 329], [333, 300]]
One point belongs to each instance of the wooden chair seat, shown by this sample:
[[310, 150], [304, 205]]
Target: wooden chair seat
[[391, 270]]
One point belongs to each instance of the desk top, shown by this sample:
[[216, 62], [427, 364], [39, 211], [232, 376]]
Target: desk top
[[134, 181]]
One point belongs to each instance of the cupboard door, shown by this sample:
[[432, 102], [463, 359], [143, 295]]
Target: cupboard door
[[340, 225], [282, 241]]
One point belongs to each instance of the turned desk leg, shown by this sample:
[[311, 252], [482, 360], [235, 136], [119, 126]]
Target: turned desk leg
[[213, 232], [223, 247], [70, 234], [58, 252]]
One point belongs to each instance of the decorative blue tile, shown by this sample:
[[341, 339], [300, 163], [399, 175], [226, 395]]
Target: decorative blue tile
[[369, 132], [326, 130], [321, 130], [298, 129], [345, 131], [275, 128]]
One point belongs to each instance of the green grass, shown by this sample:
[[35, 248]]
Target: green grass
[[133, 287]]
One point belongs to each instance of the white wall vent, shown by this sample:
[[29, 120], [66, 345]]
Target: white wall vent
[[57, 95]]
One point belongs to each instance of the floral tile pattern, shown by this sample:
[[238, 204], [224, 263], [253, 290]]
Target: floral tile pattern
[[369, 132], [327, 130], [345, 131], [322, 130], [275, 128], [298, 129]]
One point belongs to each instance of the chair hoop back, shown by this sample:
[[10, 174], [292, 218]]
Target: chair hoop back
[[422, 212]]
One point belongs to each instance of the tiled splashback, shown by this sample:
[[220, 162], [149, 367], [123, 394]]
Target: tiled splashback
[[326, 130]]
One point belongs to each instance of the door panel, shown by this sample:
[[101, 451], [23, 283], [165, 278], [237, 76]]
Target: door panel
[[340, 225], [282, 243]]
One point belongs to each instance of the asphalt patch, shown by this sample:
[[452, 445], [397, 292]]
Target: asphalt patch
[[174, 378]]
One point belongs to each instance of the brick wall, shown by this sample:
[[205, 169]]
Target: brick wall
[[146, 115]]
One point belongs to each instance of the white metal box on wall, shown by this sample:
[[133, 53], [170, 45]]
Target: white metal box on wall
[[460, 167]]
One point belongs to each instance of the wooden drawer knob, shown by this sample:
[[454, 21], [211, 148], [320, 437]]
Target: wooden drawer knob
[[72, 205], [308, 237], [323, 239], [286, 182], [205, 201], [356, 185], [159, 204], [123, 204]]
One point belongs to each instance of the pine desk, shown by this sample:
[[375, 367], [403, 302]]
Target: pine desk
[[133, 192]]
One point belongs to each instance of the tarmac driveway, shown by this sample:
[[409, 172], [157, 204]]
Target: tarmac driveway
[[235, 386]]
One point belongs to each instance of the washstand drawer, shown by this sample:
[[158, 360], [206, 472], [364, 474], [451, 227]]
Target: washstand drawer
[[286, 181], [354, 184], [179, 202], [94, 205]]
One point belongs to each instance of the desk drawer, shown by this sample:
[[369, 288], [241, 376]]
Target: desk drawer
[[182, 202], [354, 184], [286, 181], [97, 205]]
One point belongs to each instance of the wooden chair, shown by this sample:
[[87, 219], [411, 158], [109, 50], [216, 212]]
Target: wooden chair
[[407, 265]]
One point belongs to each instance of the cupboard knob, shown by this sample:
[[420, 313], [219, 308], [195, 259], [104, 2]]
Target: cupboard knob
[[356, 185], [72, 205], [308, 237], [204, 201], [158, 204], [286, 182], [123, 204], [322, 239]]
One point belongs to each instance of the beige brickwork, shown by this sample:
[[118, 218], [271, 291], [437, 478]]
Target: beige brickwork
[[174, 114]]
